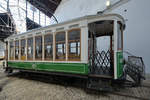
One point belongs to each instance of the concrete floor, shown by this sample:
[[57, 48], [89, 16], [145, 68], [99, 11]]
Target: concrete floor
[[18, 87]]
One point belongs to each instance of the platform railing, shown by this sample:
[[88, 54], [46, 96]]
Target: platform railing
[[101, 63], [135, 68]]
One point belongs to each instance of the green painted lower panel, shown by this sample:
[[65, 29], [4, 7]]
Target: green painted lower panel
[[119, 64], [76, 68]]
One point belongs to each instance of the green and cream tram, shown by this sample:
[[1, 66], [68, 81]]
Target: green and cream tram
[[90, 46]]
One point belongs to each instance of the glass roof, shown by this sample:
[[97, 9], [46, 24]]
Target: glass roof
[[18, 11]]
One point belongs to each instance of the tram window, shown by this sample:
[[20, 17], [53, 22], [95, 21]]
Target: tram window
[[60, 46], [103, 43], [23, 50], [74, 44], [38, 47], [48, 42], [16, 50], [11, 55], [119, 44], [30, 49]]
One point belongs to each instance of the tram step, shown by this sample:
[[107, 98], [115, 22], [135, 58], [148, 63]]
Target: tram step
[[100, 76], [99, 84]]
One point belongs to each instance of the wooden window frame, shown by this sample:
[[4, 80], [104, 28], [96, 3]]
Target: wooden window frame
[[73, 41], [32, 47], [41, 47], [18, 49], [21, 49], [13, 56], [60, 42], [50, 59]]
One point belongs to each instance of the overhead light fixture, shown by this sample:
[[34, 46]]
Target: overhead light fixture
[[108, 3]]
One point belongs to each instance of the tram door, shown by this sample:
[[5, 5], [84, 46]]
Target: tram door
[[101, 55], [104, 49], [101, 48]]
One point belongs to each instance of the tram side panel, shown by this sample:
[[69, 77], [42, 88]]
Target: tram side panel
[[74, 67]]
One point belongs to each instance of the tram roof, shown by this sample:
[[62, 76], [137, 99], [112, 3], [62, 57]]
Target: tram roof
[[88, 19]]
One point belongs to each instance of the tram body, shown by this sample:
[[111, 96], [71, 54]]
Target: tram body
[[71, 48]]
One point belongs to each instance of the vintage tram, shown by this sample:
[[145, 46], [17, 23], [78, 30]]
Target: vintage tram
[[90, 47]]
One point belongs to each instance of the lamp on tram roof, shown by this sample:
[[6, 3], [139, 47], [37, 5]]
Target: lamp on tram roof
[[108, 3]]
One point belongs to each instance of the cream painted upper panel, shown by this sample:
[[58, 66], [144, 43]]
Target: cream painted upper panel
[[81, 22]]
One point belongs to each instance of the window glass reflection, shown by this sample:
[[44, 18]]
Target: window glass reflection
[[38, 47], [11, 54], [30, 49], [48, 42], [60, 46], [74, 45], [16, 50], [23, 50]]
